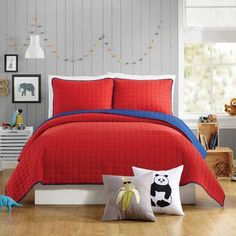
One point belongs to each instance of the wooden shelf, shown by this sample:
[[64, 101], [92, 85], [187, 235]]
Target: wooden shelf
[[220, 149], [220, 161], [207, 130]]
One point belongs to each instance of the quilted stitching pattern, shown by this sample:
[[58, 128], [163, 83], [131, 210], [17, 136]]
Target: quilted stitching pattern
[[72, 95], [80, 148], [148, 95]]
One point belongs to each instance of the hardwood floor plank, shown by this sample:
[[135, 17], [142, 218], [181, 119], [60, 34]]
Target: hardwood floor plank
[[203, 219]]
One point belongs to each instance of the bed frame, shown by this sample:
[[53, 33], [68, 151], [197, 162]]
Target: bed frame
[[89, 194]]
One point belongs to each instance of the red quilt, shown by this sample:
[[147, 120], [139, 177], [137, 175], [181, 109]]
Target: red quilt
[[78, 149]]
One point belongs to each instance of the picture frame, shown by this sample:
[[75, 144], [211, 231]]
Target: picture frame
[[26, 88], [11, 63]]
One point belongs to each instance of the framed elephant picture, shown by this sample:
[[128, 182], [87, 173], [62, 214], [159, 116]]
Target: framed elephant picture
[[26, 88]]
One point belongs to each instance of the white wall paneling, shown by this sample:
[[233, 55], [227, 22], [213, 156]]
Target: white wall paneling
[[51, 28], [174, 56], [60, 35], [69, 29], [145, 35], [136, 34], [107, 30], [69, 33], [97, 30], [21, 37], [31, 63], [126, 35], [87, 36], [40, 64], [10, 37], [115, 34], [78, 40], [3, 49], [156, 15]]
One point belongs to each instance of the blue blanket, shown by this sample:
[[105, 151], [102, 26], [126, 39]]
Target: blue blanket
[[174, 121]]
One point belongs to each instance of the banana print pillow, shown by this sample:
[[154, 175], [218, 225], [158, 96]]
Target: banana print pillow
[[128, 198]]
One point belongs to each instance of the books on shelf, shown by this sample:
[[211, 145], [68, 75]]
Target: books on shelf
[[208, 135], [213, 141], [204, 142]]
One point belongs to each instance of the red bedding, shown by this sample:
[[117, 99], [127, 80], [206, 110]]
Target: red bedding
[[78, 149]]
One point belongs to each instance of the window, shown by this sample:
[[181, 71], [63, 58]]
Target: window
[[210, 13], [209, 76], [209, 58]]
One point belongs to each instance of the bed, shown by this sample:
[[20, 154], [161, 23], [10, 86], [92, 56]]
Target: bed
[[76, 147]]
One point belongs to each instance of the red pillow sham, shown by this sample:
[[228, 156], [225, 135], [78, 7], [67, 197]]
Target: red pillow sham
[[69, 95], [148, 95]]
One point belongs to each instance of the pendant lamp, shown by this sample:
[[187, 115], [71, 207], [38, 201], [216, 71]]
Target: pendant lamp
[[34, 50]]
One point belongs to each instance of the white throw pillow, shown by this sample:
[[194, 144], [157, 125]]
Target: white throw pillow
[[140, 77], [165, 196]]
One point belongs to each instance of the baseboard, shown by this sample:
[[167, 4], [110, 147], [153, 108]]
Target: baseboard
[[9, 164]]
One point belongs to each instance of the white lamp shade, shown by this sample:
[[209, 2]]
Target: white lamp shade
[[34, 50]]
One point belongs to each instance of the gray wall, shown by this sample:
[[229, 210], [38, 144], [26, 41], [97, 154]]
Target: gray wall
[[73, 26]]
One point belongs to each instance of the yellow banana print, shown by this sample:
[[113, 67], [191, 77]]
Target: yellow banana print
[[125, 193]]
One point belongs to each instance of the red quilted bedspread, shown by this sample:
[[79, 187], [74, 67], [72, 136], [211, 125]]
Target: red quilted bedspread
[[78, 149]]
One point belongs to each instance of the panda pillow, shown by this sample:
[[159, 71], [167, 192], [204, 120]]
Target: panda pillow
[[165, 196]]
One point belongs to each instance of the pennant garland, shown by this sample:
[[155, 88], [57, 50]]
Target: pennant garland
[[101, 41]]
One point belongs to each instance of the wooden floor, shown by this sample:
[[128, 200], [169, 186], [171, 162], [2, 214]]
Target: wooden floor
[[205, 218]]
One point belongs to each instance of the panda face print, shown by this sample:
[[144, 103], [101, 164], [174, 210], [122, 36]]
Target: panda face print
[[161, 191], [161, 179]]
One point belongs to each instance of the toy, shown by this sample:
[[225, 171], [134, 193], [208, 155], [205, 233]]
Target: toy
[[212, 118], [13, 119], [231, 109], [8, 202], [17, 120], [21, 126], [5, 126]]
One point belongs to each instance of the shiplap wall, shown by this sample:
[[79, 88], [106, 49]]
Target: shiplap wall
[[73, 26]]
